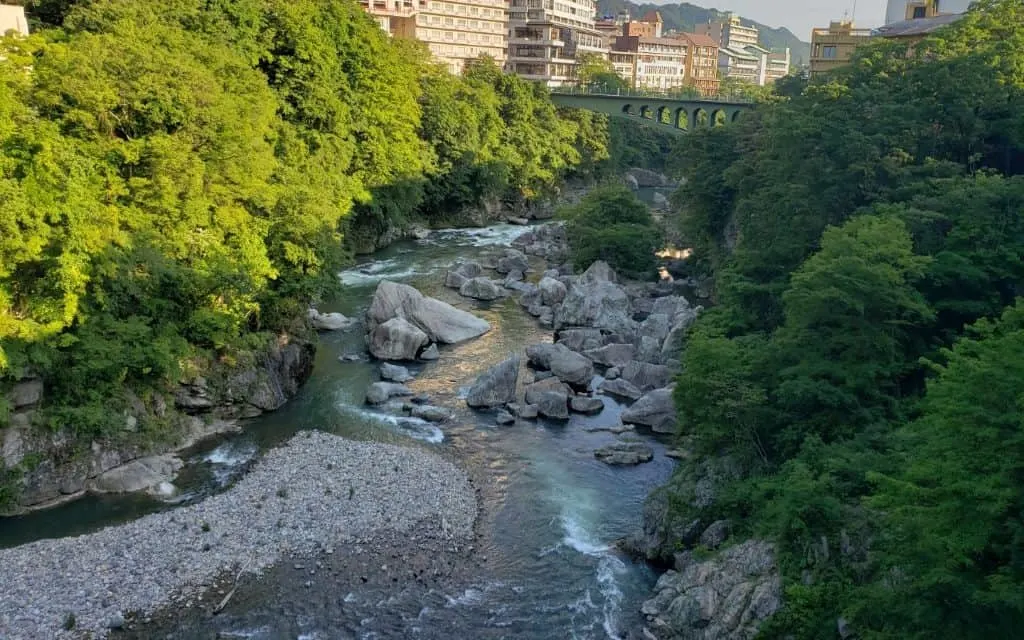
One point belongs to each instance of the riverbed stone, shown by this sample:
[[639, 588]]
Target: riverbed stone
[[598, 304], [439, 320], [396, 339], [621, 388], [381, 392], [523, 410], [568, 366], [138, 475], [612, 355], [586, 404], [512, 260], [430, 413], [497, 385], [624, 453], [329, 321], [581, 340], [646, 376], [504, 418], [430, 353], [461, 273], [612, 373], [551, 404], [26, 394], [552, 291], [481, 289], [394, 373], [655, 410]]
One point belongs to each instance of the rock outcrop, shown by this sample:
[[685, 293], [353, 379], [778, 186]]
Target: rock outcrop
[[726, 596], [461, 273], [381, 392], [138, 475], [496, 386], [396, 339], [568, 366], [329, 321], [655, 410], [440, 321], [595, 301], [394, 373], [624, 453], [481, 288]]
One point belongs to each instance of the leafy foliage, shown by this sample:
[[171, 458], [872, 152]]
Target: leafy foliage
[[866, 238]]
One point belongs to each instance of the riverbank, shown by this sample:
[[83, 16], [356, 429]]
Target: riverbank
[[299, 500]]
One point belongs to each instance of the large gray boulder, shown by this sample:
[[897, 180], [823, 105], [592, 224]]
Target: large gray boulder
[[621, 388], [551, 291], [725, 596], [599, 271], [430, 413], [624, 453], [381, 392], [26, 394], [581, 340], [496, 386], [586, 404], [567, 366], [462, 272], [550, 404], [612, 355], [439, 320], [138, 475], [646, 376], [481, 289], [329, 321], [394, 373], [655, 410], [595, 302], [512, 260], [396, 339]]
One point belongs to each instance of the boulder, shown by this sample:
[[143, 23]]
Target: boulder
[[522, 222], [505, 418], [612, 355], [649, 179], [725, 596], [650, 351], [26, 394], [138, 475], [646, 376], [567, 366], [430, 413], [329, 321], [462, 272], [612, 373], [597, 304], [631, 182], [524, 411], [599, 271], [581, 340], [586, 404], [481, 289], [439, 320], [381, 392], [550, 404], [548, 241], [715, 534], [430, 353], [396, 339], [621, 389], [512, 260], [496, 386], [550, 383], [394, 373], [657, 326], [513, 279], [659, 200], [624, 453], [655, 410], [551, 291]]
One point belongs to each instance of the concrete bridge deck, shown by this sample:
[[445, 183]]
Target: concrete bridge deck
[[676, 115]]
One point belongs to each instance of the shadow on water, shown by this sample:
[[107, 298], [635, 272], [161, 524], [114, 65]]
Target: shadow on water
[[552, 510]]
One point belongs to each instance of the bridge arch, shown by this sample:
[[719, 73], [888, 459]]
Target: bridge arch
[[628, 110], [665, 115], [718, 118], [682, 119], [646, 113], [700, 119]]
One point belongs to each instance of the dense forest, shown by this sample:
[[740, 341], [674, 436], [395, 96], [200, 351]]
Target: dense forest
[[684, 16], [177, 179], [861, 376]]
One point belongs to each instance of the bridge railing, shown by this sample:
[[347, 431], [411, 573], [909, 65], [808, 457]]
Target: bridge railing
[[689, 95]]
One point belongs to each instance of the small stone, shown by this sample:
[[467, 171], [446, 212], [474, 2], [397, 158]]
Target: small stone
[[505, 418], [584, 404], [430, 353]]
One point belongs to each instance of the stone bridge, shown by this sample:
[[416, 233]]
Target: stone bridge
[[677, 115]]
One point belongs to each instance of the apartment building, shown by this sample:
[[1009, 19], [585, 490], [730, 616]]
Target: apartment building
[[547, 36], [777, 65], [12, 18], [730, 33], [740, 54], [659, 63], [746, 64], [832, 48], [900, 10], [701, 62], [455, 31]]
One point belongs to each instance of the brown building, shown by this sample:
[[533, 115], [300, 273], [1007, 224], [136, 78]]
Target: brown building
[[701, 63], [832, 48], [659, 64], [647, 27]]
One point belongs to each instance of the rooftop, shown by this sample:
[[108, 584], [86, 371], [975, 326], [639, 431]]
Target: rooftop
[[916, 26]]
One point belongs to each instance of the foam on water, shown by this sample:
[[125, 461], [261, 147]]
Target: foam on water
[[502, 234], [578, 538], [229, 458], [415, 428]]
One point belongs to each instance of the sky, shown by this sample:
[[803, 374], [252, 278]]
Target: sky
[[800, 16]]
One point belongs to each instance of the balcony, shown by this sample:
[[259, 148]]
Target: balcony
[[841, 33], [393, 10]]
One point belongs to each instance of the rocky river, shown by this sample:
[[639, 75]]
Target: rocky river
[[552, 492]]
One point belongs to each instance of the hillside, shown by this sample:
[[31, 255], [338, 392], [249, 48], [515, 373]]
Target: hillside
[[685, 16]]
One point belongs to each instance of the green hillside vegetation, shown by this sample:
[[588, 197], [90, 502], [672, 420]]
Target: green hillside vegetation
[[862, 364], [177, 178], [685, 16]]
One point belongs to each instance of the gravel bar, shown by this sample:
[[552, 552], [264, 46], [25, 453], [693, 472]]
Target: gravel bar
[[317, 491]]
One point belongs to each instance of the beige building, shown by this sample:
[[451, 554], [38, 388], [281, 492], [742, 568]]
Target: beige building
[[832, 48], [659, 63], [701, 63], [740, 54], [12, 18], [730, 33], [456, 31], [546, 36]]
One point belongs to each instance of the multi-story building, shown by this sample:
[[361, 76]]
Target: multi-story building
[[659, 63], [900, 10], [455, 31], [12, 18], [546, 36], [701, 62], [832, 48], [777, 65], [730, 33], [743, 64], [649, 26], [740, 54]]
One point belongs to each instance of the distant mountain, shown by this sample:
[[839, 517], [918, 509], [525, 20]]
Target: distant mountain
[[685, 16]]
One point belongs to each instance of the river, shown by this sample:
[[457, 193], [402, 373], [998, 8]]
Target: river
[[550, 512]]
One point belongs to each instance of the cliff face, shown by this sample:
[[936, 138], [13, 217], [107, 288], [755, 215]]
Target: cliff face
[[41, 467]]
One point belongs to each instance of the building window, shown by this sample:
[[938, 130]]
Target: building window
[[828, 52], [919, 12]]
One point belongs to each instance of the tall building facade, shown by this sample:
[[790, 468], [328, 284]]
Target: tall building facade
[[546, 37], [659, 63], [12, 18], [455, 31], [832, 48], [899, 10], [701, 63], [740, 54]]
